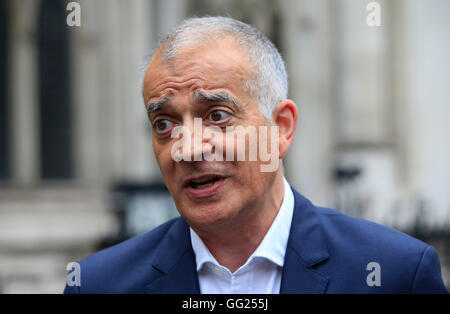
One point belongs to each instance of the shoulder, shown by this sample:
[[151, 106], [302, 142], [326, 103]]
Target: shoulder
[[125, 267], [405, 263], [130, 248], [366, 234]]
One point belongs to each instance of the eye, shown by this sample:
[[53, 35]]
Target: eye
[[218, 115], [162, 125]]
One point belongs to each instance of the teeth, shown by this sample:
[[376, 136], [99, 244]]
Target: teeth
[[203, 186], [201, 181]]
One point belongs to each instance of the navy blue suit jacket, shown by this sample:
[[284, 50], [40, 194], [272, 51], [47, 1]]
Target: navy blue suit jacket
[[327, 252]]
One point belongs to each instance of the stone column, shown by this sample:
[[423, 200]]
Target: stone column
[[169, 13], [136, 37], [423, 96], [306, 48], [363, 109], [90, 136], [24, 93]]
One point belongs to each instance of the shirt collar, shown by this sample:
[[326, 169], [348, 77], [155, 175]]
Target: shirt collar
[[272, 247]]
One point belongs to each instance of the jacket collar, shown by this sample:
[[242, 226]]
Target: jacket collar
[[272, 247], [175, 261], [306, 248]]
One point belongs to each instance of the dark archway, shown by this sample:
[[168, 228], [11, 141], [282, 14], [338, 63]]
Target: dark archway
[[56, 151], [4, 93]]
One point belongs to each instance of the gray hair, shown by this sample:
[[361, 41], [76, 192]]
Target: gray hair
[[268, 83]]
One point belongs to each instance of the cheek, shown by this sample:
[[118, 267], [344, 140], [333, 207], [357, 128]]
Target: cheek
[[163, 157], [248, 175], [251, 176]]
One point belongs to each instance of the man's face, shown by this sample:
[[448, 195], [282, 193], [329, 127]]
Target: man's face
[[214, 193]]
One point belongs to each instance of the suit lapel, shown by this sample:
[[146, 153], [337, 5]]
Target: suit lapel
[[306, 248], [176, 268], [175, 263]]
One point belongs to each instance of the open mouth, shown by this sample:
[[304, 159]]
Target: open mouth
[[203, 183]]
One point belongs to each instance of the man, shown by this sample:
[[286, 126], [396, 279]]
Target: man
[[243, 229]]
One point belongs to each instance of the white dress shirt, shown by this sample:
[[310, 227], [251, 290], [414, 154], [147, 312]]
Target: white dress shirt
[[261, 274]]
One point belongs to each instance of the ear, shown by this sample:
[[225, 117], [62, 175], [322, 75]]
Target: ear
[[285, 117]]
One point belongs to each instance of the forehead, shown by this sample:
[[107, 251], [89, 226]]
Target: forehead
[[211, 65]]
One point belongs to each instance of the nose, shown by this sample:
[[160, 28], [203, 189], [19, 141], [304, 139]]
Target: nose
[[194, 144], [198, 144]]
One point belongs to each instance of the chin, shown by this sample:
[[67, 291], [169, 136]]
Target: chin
[[205, 217]]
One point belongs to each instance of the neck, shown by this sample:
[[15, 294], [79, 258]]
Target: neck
[[233, 244]]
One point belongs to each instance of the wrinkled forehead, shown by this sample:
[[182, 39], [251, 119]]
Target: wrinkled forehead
[[221, 48], [220, 62], [189, 38]]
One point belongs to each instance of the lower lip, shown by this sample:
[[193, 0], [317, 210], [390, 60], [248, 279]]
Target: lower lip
[[206, 192]]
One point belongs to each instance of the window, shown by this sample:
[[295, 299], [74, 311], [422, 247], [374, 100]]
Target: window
[[54, 92], [4, 97]]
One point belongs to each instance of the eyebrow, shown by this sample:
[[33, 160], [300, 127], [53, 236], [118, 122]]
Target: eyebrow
[[152, 107], [200, 95], [223, 97]]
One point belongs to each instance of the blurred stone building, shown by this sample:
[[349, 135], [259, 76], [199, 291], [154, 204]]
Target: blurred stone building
[[372, 136]]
